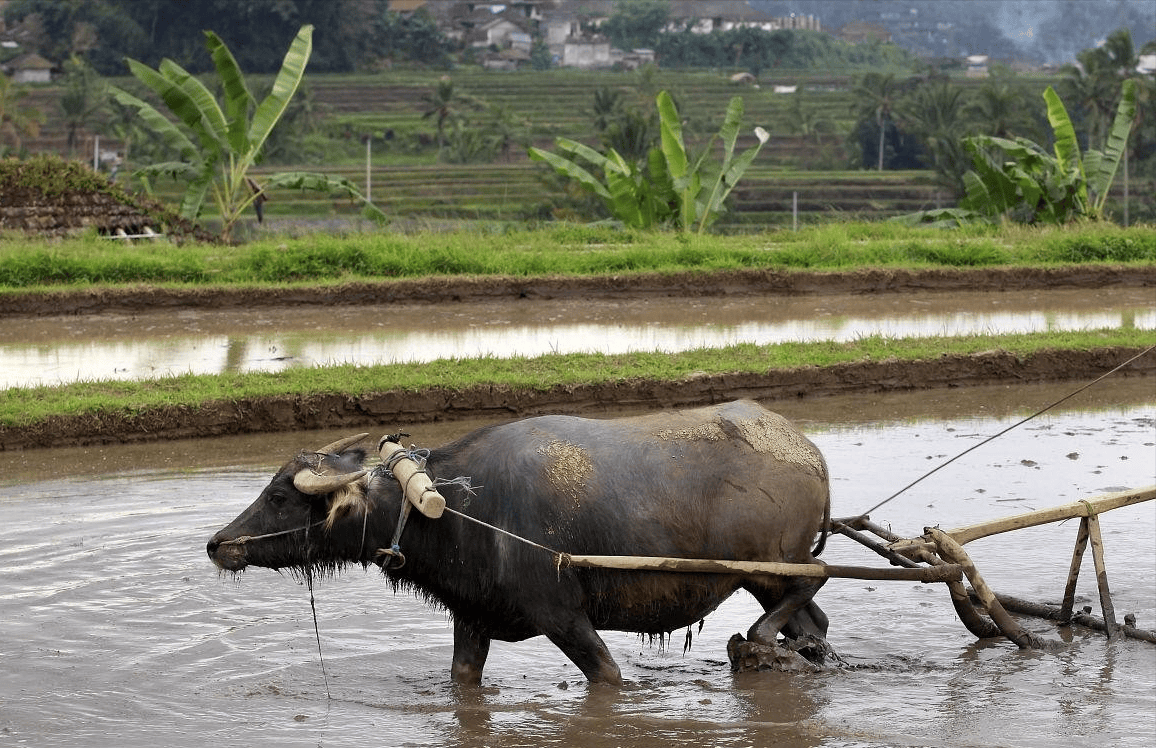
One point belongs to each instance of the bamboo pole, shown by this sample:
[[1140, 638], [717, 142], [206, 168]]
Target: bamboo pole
[[1074, 572], [1082, 508], [1102, 577], [944, 573], [952, 551], [415, 483]]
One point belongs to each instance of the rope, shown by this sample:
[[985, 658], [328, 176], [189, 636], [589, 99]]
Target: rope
[[974, 447], [313, 608], [519, 538], [247, 538]]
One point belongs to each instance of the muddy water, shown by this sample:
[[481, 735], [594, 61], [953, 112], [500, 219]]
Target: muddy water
[[117, 630], [52, 350]]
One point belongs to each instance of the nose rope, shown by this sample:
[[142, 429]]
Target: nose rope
[[247, 538]]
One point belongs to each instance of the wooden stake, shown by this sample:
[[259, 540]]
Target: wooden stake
[[1102, 576], [1074, 572]]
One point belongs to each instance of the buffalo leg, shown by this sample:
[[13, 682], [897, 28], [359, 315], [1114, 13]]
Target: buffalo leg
[[585, 648], [470, 652], [794, 608]]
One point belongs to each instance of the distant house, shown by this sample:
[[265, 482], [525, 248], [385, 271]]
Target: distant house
[[706, 16], [499, 30], [977, 66], [586, 52], [29, 68]]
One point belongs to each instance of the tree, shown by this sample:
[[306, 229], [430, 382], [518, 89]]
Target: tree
[[84, 100], [1094, 83], [997, 107], [636, 23], [445, 105], [413, 37], [16, 120], [227, 142], [876, 95], [934, 114]]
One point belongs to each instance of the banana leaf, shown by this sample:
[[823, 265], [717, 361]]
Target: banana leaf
[[1067, 147], [179, 102], [285, 85], [1102, 173], [170, 134], [568, 168], [211, 121], [308, 180], [674, 150], [238, 99]]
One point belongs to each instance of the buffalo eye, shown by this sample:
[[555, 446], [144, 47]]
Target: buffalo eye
[[277, 498]]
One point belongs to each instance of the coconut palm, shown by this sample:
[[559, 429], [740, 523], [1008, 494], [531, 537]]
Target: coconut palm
[[84, 100], [876, 96], [445, 105], [16, 120]]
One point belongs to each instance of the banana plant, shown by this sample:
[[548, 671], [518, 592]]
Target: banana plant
[[1018, 178], [670, 190], [218, 145], [1021, 178]]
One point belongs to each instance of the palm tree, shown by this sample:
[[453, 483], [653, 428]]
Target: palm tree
[[875, 97], [934, 112], [16, 120], [84, 101], [445, 105]]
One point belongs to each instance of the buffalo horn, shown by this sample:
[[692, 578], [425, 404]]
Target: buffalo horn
[[314, 484], [341, 445]]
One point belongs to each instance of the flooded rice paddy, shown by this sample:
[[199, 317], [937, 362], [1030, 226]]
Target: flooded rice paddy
[[117, 630], [61, 349]]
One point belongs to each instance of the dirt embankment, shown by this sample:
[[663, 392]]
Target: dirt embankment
[[441, 290], [286, 413]]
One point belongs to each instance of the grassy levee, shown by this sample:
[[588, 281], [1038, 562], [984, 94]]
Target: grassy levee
[[376, 256], [93, 402], [325, 264]]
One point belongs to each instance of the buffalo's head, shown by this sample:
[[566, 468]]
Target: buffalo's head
[[295, 521]]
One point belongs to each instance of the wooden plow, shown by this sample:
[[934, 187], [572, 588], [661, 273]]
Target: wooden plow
[[938, 547], [938, 556]]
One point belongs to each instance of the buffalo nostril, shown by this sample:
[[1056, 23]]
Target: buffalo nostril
[[212, 547]]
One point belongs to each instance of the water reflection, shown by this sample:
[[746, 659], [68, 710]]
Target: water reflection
[[58, 350]]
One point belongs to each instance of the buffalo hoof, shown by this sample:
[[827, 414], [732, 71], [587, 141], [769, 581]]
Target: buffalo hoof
[[803, 655]]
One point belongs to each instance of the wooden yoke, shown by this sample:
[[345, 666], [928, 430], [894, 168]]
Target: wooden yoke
[[415, 483]]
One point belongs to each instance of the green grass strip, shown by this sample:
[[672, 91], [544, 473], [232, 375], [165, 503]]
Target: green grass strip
[[571, 250], [26, 406]]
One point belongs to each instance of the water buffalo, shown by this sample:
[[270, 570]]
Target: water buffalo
[[732, 481]]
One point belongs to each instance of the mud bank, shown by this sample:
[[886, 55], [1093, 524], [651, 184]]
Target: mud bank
[[447, 289], [388, 409]]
